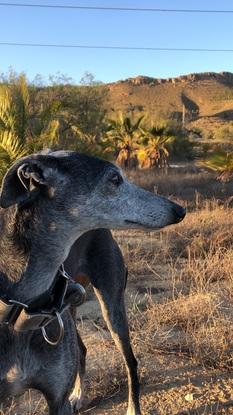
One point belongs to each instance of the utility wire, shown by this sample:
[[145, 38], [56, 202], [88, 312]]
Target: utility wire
[[102, 8], [73, 46]]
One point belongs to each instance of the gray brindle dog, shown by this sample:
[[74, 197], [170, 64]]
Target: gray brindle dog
[[52, 210]]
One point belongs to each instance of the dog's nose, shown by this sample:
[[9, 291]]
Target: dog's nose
[[179, 213]]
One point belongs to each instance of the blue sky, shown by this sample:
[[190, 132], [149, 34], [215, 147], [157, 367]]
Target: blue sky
[[116, 28]]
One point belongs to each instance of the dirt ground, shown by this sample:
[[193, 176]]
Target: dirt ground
[[172, 382]]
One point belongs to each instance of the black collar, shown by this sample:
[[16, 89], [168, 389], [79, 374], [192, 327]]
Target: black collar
[[43, 309]]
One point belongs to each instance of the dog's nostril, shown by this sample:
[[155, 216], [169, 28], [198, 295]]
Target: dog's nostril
[[179, 211]]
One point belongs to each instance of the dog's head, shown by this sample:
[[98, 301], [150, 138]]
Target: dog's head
[[85, 193]]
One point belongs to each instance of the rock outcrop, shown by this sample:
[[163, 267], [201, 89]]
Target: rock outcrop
[[224, 77]]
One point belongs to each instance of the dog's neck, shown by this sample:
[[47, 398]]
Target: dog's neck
[[32, 247]]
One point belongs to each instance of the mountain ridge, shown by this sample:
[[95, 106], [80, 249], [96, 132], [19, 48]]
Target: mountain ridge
[[223, 76]]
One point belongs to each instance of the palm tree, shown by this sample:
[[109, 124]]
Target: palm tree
[[221, 162], [154, 151], [122, 139], [19, 133]]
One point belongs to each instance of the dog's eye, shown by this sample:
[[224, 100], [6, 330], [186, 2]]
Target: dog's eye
[[116, 179]]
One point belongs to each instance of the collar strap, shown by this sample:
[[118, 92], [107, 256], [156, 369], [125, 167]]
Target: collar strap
[[43, 309]]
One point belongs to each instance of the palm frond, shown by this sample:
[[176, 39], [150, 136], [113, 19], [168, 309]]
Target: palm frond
[[10, 150], [220, 161], [138, 122], [21, 107], [49, 136], [11, 146], [7, 118]]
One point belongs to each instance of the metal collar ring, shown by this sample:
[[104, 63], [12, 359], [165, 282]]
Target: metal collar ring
[[61, 332]]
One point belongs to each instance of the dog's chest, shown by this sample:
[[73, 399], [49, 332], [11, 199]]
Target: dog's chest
[[15, 364], [15, 380]]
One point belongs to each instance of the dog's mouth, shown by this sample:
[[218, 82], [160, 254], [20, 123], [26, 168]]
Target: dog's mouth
[[140, 224]]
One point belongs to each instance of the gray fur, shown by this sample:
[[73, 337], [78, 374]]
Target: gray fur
[[47, 203]]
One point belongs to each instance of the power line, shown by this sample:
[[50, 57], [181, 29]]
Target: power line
[[73, 46], [123, 9]]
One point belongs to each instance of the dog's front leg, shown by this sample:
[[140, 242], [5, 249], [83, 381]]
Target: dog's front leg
[[76, 397], [113, 309]]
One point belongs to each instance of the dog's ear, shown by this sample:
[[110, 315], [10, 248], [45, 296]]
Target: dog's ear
[[24, 181]]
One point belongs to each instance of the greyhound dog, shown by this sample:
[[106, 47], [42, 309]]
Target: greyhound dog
[[48, 202]]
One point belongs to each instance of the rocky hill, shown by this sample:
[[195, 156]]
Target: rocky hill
[[201, 96]]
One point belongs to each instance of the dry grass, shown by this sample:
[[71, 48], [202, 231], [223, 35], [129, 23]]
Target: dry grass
[[194, 317], [193, 187]]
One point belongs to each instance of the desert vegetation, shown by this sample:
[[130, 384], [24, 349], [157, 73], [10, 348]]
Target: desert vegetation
[[34, 117], [75, 117]]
